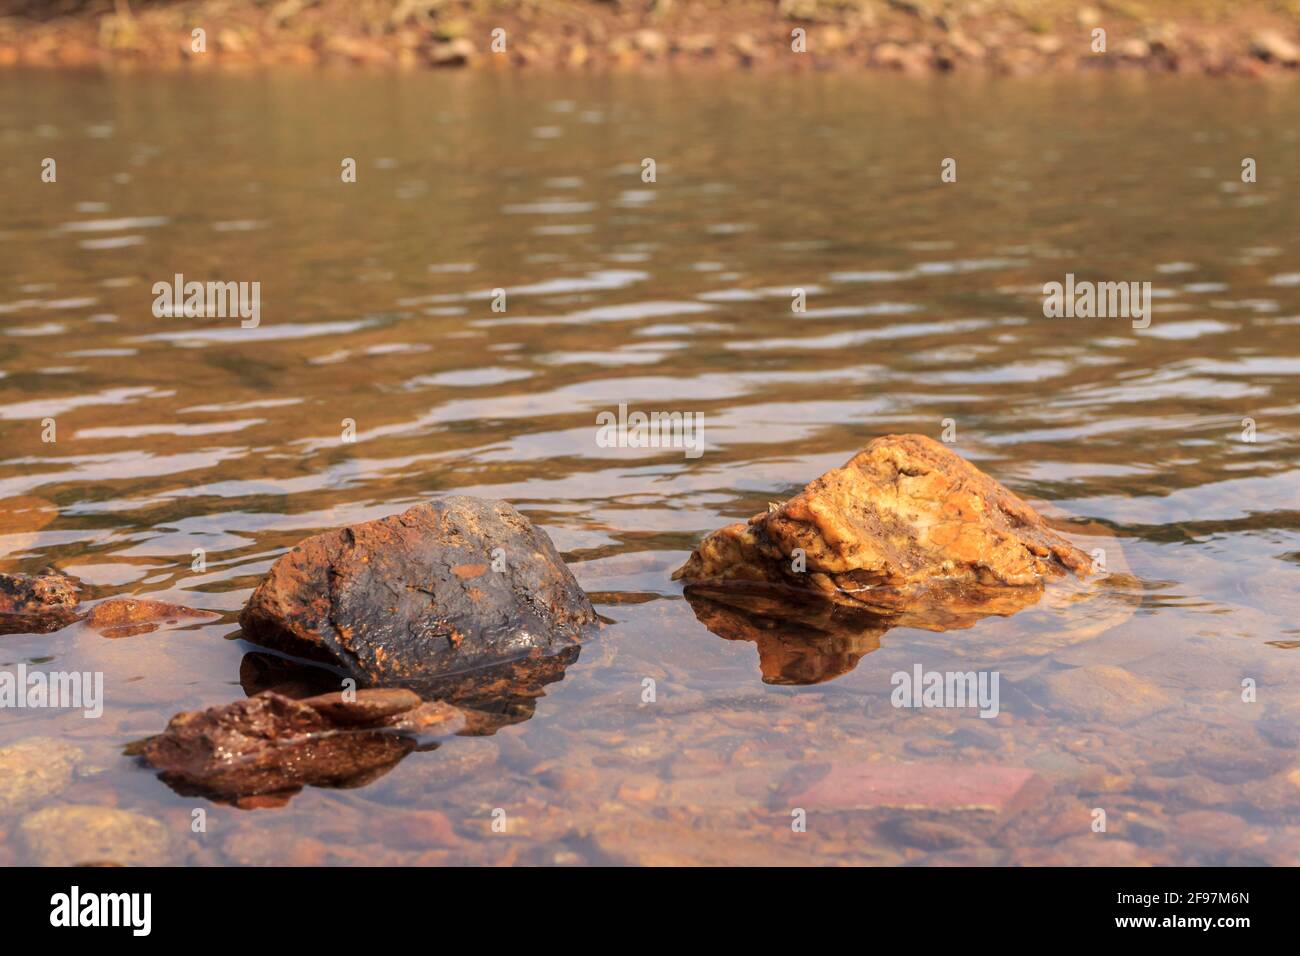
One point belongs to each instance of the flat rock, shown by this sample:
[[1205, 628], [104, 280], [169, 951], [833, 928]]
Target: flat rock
[[84, 835], [904, 513], [34, 770], [444, 587], [36, 603], [124, 617], [937, 787], [1103, 693], [271, 744]]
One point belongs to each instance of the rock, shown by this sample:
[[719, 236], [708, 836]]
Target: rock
[[906, 534], [83, 835], [903, 514], [415, 596], [910, 786], [33, 770], [650, 42], [413, 829], [36, 603], [1272, 46], [1102, 693], [1133, 49], [123, 617], [1049, 44], [457, 52], [272, 744], [932, 835]]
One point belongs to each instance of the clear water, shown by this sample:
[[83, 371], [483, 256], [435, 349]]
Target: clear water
[[924, 304]]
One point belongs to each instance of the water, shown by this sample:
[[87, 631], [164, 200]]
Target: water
[[924, 304]]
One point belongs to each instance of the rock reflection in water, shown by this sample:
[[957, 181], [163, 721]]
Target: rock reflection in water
[[804, 639]]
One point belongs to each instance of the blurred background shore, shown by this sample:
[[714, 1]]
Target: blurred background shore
[[1216, 37]]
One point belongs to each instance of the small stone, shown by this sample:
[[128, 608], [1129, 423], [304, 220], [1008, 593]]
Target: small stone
[[85, 835], [36, 603], [650, 42], [1272, 46], [124, 617], [270, 744], [33, 770], [933, 835], [1103, 693], [457, 52], [640, 789], [914, 786], [1048, 45], [1133, 49], [414, 829]]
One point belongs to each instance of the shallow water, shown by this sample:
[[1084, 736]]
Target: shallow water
[[924, 304]]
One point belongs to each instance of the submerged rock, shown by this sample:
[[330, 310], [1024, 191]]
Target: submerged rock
[[446, 586], [903, 515], [271, 744], [34, 770], [36, 603], [124, 617], [93, 835]]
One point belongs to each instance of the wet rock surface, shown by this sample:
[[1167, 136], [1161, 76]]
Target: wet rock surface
[[447, 586], [272, 744], [92, 835], [903, 515], [125, 617], [36, 603]]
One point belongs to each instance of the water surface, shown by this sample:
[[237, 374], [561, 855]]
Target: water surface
[[924, 304]]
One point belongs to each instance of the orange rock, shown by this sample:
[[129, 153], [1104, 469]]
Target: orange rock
[[903, 513]]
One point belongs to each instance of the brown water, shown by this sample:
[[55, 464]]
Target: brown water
[[924, 304]]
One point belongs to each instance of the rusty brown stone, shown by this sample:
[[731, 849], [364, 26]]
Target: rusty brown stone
[[123, 617], [413, 597], [270, 744], [903, 515], [36, 603], [907, 534]]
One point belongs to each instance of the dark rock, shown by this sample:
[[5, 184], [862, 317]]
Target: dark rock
[[36, 604], [445, 587], [270, 744]]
